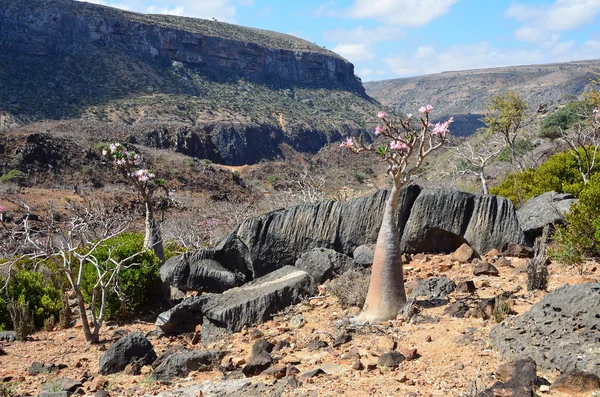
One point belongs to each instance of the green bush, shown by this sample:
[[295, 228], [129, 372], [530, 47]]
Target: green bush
[[563, 119], [38, 293], [581, 235], [559, 173], [522, 146], [273, 180], [360, 178], [138, 281], [15, 176]]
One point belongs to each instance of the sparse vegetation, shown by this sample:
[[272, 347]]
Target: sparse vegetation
[[350, 288]]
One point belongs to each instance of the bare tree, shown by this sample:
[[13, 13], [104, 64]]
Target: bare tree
[[475, 158], [584, 141], [72, 243], [410, 145]]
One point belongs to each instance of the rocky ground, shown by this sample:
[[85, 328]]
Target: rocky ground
[[314, 340]]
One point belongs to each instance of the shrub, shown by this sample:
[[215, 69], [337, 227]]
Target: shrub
[[137, 282], [360, 178], [273, 179], [559, 173], [30, 295], [501, 308], [581, 235], [563, 119], [14, 176], [351, 288], [522, 146]]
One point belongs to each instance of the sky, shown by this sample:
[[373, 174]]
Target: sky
[[387, 39]]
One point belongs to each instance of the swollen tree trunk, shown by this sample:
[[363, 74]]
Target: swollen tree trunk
[[386, 295], [153, 238], [484, 184]]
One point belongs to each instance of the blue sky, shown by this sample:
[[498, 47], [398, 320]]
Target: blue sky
[[398, 38]]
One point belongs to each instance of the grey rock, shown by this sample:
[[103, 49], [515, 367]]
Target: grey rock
[[517, 250], [181, 363], [482, 268], [132, 347], [341, 339], [68, 384], [211, 332], [37, 368], [313, 373], [442, 220], [8, 336], [261, 358], [54, 394], [324, 263], [198, 271], [434, 288], [560, 332], [390, 360], [363, 254], [546, 209], [250, 304], [458, 309], [170, 350], [297, 321], [465, 287], [316, 344]]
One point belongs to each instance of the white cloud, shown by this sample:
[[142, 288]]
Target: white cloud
[[222, 10], [355, 52], [360, 35], [424, 52], [399, 12], [562, 15], [365, 72]]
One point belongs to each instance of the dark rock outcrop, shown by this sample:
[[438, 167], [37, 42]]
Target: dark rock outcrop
[[430, 220], [363, 255], [181, 363], [518, 380], [324, 263], [546, 209], [434, 288], [134, 347], [197, 271], [261, 358], [559, 332], [250, 304]]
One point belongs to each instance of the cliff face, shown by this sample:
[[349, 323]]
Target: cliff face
[[219, 50]]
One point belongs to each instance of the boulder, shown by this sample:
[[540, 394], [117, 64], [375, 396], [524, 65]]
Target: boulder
[[181, 363], [434, 288], [324, 263], [261, 358], [132, 347], [390, 360], [482, 268], [442, 220], [363, 255], [546, 209], [8, 336], [576, 382], [250, 304], [429, 220], [198, 271], [464, 253], [518, 380], [560, 332]]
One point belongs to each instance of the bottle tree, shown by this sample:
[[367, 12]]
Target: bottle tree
[[411, 140], [146, 183]]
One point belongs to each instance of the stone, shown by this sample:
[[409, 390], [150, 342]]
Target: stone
[[546, 209], [491, 254], [363, 255], [261, 358], [297, 322], [574, 381], [520, 382], [290, 370], [37, 368], [316, 344], [170, 350], [382, 345], [390, 360], [280, 345], [458, 309], [324, 263], [313, 373], [410, 354], [68, 384], [251, 304], [2, 352], [484, 269], [465, 287], [358, 365], [54, 394], [341, 339], [434, 288], [277, 372], [182, 362], [133, 368], [518, 251], [132, 347], [558, 332], [198, 271], [8, 336], [464, 253], [503, 262], [98, 383]]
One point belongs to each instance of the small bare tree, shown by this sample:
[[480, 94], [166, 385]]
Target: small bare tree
[[72, 245], [475, 157], [584, 141]]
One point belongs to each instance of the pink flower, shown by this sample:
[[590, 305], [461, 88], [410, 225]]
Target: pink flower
[[378, 130], [142, 175], [348, 143], [408, 116], [426, 109], [398, 145], [382, 115], [442, 129], [2, 208]]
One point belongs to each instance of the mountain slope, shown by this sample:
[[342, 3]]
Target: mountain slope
[[64, 59], [465, 94]]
